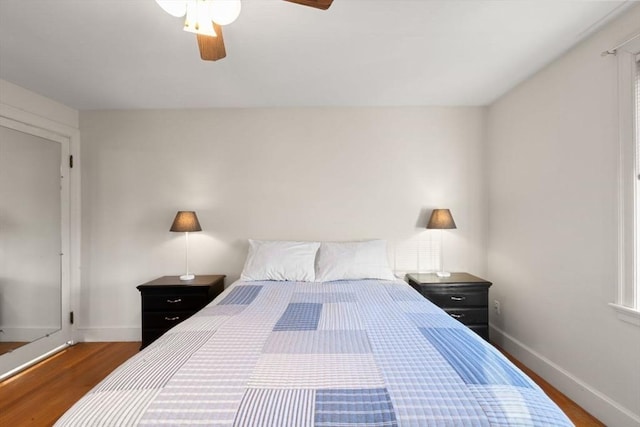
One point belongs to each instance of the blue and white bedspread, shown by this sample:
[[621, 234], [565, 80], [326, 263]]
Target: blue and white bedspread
[[360, 353]]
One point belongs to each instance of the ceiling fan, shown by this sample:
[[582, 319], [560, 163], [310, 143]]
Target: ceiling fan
[[205, 18]]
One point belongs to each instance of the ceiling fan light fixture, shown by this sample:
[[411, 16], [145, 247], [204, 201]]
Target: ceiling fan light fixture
[[198, 18], [205, 18], [224, 12], [177, 8]]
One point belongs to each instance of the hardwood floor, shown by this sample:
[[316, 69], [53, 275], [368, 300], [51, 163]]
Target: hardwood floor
[[576, 414], [41, 394]]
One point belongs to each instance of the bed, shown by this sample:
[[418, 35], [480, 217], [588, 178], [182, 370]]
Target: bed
[[339, 353], [317, 334]]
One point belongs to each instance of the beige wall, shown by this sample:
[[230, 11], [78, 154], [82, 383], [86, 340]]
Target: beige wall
[[552, 165], [307, 174]]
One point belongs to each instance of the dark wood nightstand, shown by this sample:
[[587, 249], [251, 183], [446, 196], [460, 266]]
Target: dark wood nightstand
[[167, 301], [464, 296]]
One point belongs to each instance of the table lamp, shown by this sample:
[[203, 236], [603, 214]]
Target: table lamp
[[441, 219], [186, 222]]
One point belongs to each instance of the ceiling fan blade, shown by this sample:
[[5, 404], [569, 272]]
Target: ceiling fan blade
[[318, 4], [212, 48]]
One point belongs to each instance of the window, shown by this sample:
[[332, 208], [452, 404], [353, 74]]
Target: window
[[628, 298]]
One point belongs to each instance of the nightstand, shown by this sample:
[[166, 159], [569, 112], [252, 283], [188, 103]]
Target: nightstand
[[464, 296], [167, 301]]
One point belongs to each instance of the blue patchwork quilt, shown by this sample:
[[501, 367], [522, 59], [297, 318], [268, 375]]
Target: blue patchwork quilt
[[353, 353]]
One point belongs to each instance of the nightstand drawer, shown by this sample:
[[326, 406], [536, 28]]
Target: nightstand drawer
[[463, 296], [167, 301], [164, 320], [457, 298], [469, 316], [173, 302]]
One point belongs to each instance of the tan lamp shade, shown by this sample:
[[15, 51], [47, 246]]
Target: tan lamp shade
[[441, 219], [185, 221]]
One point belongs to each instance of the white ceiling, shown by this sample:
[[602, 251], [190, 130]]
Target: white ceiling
[[120, 54]]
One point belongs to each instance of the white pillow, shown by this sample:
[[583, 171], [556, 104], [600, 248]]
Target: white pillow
[[353, 261], [275, 260]]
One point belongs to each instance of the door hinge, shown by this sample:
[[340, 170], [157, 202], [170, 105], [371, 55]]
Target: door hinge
[[71, 317], [70, 162]]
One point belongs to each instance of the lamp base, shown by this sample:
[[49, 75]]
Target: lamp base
[[443, 274], [186, 277]]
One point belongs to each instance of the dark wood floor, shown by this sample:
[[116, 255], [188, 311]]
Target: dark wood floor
[[41, 394]]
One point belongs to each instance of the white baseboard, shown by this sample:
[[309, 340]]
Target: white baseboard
[[108, 334], [597, 404]]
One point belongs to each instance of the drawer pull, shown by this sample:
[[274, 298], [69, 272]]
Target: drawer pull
[[172, 318], [173, 301], [457, 298], [456, 315]]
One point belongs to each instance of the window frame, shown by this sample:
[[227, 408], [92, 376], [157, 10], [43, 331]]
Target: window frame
[[627, 302]]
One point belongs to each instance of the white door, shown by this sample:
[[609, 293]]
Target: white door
[[34, 244]]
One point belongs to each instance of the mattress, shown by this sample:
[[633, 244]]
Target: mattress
[[351, 353]]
